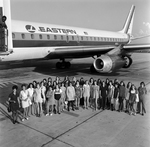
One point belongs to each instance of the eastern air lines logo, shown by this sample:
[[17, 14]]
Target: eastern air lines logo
[[30, 28]]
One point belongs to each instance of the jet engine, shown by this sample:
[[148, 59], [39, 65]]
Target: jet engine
[[108, 64]]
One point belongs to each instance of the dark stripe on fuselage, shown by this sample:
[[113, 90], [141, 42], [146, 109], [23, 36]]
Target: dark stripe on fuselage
[[51, 43]]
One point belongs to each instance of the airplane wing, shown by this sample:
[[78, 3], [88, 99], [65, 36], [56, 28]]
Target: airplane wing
[[78, 51], [137, 48]]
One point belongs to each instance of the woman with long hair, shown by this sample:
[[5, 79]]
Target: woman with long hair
[[78, 94], [142, 93], [95, 94], [132, 100]]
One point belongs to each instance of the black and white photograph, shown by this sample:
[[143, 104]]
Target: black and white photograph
[[74, 73]]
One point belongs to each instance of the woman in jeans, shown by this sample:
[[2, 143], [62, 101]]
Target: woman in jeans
[[142, 93], [70, 96], [127, 96], [49, 101]]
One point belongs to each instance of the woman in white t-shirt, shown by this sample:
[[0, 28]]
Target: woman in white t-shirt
[[24, 101]]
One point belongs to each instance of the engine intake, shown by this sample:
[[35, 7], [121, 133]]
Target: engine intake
[[108, 64]]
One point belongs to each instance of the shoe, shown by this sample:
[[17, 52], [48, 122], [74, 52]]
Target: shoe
[[22, 119], [27, 118], [46, 114], [142, 114], [17, 122], [51, 114], [14, 121]]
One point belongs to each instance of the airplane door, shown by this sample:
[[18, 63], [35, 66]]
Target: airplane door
[[3, 33]]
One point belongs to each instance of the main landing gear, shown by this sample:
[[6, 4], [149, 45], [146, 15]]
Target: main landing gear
[[63, 65], [92, 69]]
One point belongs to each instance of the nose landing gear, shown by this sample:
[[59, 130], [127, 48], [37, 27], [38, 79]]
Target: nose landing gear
[[63, 65]]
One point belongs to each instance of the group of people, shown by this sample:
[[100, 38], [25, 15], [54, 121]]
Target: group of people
[[54, 96]]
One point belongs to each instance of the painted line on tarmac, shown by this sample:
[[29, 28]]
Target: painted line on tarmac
[[56, 138]]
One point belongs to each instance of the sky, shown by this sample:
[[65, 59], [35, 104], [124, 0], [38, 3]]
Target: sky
[[94, 14]]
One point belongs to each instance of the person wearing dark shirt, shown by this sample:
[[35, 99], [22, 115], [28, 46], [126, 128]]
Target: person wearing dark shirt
[[122, 95], [116, 95], [14, 103], [103, 94], [142, 93]]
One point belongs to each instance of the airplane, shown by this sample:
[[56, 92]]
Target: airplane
[[23, 41]]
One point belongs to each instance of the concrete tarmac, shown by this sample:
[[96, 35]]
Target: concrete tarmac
[[80, 128]]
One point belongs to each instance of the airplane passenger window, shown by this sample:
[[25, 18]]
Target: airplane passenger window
[[61, 37], [32, 36], [72, 37], [48, 36], [81, 38], [40, 36], [13, 35], [91, 38], [87, 38], [95, 38], [23, 36], [55, 37]]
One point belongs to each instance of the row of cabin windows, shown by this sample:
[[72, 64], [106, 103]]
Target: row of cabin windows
[[72, 37]]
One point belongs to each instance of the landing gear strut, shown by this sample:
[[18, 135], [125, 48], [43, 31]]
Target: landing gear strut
[[63, 65], [92, 69]]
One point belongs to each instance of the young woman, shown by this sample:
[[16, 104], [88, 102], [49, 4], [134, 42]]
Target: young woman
[[142, 93], [31, 100], [86, 94], [91, 83], [24, 101], [81, 82], [103, 94], [38, 100], [70, 96], [14, 103], [116, 96], [34, 84], [43, 89], [57, 96], [78, 92], [132, 100], [122, 95], [63, 96], [110, 94], [127, 95], [49, 101], [95, 94]]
